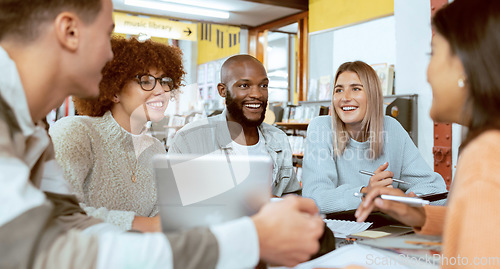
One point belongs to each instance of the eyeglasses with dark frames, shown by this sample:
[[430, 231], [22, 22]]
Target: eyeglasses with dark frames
[[148, 82]]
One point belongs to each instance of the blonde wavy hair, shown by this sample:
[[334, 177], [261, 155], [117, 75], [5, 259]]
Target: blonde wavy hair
[[372, 125]]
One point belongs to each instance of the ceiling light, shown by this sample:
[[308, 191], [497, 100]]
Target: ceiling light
[[143, 37], [177, 8], [278, 84], [278, 73], [202, 4]]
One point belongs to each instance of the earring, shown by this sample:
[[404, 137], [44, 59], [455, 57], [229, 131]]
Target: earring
[[115, 99], [461, 82]]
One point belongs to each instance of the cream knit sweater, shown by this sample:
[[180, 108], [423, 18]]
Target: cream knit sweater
[[98, 158]]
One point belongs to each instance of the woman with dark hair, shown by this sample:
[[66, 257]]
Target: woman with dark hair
[[358, 137], [464, 75], [105, 154]]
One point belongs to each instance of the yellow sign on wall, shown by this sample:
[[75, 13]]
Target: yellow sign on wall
[[155, 27], [217, 42], [327, 14]]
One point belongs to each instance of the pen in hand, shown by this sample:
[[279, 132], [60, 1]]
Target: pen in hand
[[372, 174], [411, 201]]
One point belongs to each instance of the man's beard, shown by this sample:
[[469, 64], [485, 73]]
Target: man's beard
[[237, 113]]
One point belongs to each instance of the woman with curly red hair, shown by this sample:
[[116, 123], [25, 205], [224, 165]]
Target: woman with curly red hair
[[105, 154]]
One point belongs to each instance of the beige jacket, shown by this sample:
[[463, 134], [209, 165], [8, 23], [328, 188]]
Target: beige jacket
[[35, 229]]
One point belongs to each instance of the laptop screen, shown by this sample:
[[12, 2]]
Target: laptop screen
[[196, 190]]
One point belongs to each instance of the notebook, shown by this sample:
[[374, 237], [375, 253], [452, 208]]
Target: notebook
[[389, 230], [343, 228], [204, 190]]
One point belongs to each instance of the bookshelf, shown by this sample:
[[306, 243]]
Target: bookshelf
[[296, 132], [293, 125]]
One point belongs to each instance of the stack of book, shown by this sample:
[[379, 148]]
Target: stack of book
[[298, 172], [302, 113], [385, 74], [297, 144]]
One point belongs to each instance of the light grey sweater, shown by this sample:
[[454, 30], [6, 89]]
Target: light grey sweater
[[331, 183], [98, 156]]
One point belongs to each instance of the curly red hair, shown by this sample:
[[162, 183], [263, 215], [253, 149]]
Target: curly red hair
[[131, 58]]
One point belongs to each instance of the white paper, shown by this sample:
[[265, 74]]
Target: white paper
[[343, 228], [352, 255]]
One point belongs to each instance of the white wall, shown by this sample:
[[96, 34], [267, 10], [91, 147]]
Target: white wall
[[184, 101], [321, 55], [413, 39], [372, 42], [243, 41]]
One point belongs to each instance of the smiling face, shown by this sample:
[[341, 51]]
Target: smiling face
[[443, 73], [139, 105], [349, 100], [245, 88]]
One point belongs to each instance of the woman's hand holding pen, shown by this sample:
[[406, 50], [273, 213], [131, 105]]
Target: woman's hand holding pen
[[412, 216], [381, 178]]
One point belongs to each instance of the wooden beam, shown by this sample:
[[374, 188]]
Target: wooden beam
[[257, 44], [280, 22], [303, 59], [297, 4], [252, 42], [261, 47]]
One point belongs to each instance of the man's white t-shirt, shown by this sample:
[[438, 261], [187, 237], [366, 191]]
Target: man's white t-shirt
[[257, 149]]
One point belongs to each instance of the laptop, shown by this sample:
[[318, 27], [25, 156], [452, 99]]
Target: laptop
[[202, 190]]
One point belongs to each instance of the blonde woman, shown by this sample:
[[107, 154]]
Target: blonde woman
[[359, 137]]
